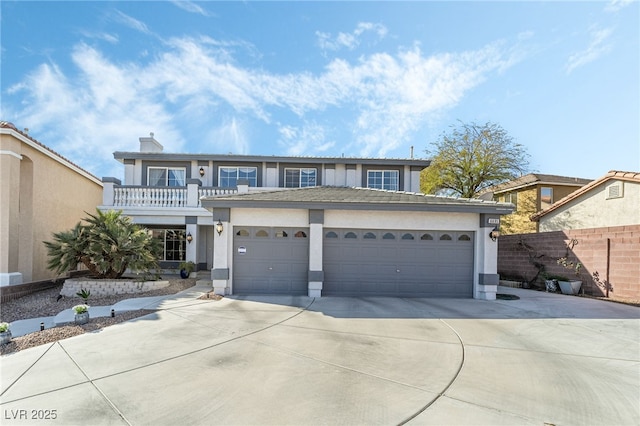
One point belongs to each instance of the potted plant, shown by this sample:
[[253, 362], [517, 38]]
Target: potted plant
[[186, 268], [5, 333], [568, 286], [551, 282], [81, 314]]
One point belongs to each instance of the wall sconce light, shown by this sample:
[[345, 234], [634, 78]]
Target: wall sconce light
[[219, 227], [201, 171], [494, 234], [189, 238]]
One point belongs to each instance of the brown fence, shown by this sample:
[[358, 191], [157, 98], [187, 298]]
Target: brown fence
[[614, 253]]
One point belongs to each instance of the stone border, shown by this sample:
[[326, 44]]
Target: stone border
[[110, 287]]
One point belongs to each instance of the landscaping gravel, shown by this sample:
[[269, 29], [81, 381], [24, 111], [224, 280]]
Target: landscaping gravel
[[45, 303]]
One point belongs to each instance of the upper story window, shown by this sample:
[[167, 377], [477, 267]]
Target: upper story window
[[546, 197], [166, 176], [383, 179], [228, 176], [299, 178], [511, 197]]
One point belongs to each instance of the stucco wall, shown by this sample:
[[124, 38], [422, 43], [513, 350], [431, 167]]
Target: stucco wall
[[593, 210], [351, 219], [9, 211], [52, 196]]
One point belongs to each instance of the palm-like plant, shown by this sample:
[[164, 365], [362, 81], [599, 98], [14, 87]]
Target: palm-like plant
[[107, 245]]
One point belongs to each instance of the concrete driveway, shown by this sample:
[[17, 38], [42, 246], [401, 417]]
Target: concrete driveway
[[542, 359]]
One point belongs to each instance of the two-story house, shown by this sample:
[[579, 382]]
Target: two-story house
[[530, 194], [309, 225]]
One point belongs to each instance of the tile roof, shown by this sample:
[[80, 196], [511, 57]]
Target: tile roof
[[347, 197], [536, 179], [612, 175], [11, 126]]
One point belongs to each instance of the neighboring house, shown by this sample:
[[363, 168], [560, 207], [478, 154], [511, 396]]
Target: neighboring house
[[41, 193], [309, 225], [530, 194], [612, 200]]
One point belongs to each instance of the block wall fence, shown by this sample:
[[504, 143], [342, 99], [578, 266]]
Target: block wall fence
[[613, 252]]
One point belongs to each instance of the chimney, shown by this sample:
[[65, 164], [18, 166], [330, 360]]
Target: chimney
[[150, 144]]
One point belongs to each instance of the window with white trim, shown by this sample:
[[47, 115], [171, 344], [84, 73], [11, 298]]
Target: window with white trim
[[511, 197], [228, 176], [166, 176], [383, 179], [173, 242], [299, 177]]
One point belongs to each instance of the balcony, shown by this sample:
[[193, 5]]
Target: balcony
[[121, 196]]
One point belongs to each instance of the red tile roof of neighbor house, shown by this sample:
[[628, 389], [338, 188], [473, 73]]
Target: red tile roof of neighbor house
[[613, 174], [537, 179], [11, 126]]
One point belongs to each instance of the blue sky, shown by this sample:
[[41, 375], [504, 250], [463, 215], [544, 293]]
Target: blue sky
[[361, 78]]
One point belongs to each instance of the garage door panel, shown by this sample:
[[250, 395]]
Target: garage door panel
[[399, 267], [385, 288], [271, 265]]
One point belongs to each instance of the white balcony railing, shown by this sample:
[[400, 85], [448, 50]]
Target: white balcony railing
[[145, 196], [212, 192], [151, 196]]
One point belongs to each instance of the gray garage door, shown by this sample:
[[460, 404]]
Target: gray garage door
[[398, 263], [270, 260]]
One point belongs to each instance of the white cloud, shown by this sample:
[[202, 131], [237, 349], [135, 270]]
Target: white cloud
[[349, 40], [598, 46], [617, 5], [381, 100], [131, 22], [230, 137], [190, 6], [109, 38], [307, 140]]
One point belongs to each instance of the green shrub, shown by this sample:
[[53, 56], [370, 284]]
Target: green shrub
[[107, 245]]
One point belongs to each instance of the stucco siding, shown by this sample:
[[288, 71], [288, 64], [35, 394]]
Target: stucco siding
[[594, 210], [400, 220], [9, 212], [44, 194]]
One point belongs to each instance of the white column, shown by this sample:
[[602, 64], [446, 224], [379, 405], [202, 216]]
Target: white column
[[193, 186], [107, 190], [486, 279], [315, 260], [192, 247], [222, 250]]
